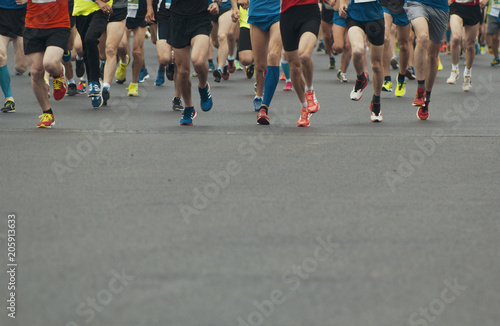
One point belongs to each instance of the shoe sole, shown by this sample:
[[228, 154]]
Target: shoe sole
[[263, 121], [419, 118], [47, 127]]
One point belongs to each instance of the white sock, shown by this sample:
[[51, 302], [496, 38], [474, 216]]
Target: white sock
[[304, 105], [79, 58], [230, 57], [71, 81], [454, 67], [106, 85], [288, 80], [467, 72], [309, 88]]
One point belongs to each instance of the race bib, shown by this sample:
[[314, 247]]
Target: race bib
[[361, 1], [131, 13]]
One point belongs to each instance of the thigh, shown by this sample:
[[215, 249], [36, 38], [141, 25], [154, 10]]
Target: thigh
[[357, 38], [4, 43], [199, 48], [139, 37], [115, 32], [225, 22], [260, 43], [456, 25]]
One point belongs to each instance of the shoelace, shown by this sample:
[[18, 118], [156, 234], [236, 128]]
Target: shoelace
[[58, 83], [45, 117]]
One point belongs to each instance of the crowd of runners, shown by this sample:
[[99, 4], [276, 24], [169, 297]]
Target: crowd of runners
[[81, 47]]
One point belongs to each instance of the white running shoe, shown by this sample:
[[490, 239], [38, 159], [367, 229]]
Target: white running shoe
[[467, 86], [453, 77]]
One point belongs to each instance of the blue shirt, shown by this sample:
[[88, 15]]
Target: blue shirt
[[264, 8], [10, 4], [365, 11], [438, 4]]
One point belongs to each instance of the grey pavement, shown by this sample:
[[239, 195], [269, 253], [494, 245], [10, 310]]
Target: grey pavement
[[126, 218]]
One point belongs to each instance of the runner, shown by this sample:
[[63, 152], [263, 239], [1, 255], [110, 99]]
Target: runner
[[493, 33], [326, 27], [113, 34], [299, 25], [91, 21], [465, 16], [263, 17], [428, 19], [366, 18], [164, 49], [245, 52], [11, 29], [68, 55], [188, 35], [45, 39], [341, 43], [394, 13]]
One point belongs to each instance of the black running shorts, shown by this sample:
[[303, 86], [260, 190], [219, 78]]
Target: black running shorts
[[471, 15], [12, 22], [374, 30], [296, 21], [37, 40], [184, 28]]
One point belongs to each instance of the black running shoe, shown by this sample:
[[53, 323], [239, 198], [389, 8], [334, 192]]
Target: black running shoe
[[177, 104], [170, 71], [80, 68], [71, 90]]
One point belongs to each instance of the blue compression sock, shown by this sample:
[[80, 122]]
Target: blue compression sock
[[286, 69], [270, 83], [5, 81]]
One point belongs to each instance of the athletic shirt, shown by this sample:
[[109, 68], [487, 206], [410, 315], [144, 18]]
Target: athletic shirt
[[365, 10], [164, 10], [137, 9], [10, 4], [189, 7], [118, 4], [466, 2], [86, 7], [244, 18], [494, 8], [45, 14], [224, 4], [287, 4], [438, 4], [395, 6], [263, 9]]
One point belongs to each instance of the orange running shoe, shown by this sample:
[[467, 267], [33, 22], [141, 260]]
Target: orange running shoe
[[312, 102], [423, 111], [419, 97], [47, 121], [304, 118], [262, 117], [283, 77], [60, 86]]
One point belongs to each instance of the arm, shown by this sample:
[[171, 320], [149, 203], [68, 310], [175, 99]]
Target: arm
[[344, 4], [104, 6], [236, 12], [243, 3], [150, 15], [213, 7]]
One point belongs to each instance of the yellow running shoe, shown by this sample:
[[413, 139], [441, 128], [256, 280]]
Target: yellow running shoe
[[133, 90], [387, 86], [121, 72], [440, 66], [400, 88]]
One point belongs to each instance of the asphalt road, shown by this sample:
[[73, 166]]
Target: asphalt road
[[123, 217]]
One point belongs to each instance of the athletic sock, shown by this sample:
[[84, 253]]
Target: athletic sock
[[454, 67], [49, 111], [387, 78], [5, 81], [361, 77], [428, 96], [421, 84], [376, 99], [106, 85], [71, 81], [270, 83], [304, 105], [467, 72], [401, 78], [308, 89], [286, 68]]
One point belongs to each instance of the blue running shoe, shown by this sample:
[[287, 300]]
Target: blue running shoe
[[257, 103], [160, 78], [187, 117], [97, 102], [143, 75], [211, 66], [94, 89], [206, 98]]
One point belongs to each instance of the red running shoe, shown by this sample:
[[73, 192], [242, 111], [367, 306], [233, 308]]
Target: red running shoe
[[47, 121], [262, 117], [312, 102], [419, 97], [304, 118], [60, 86], [423, 111]]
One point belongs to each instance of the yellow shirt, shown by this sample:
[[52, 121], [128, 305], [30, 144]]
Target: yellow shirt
[[86, 7], [244, 18]]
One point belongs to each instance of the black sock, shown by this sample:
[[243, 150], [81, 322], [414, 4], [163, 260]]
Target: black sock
[[387, 78], [376, 99], [49, 111], [421, 84], [428, 96], [361, 77], [401, 78]]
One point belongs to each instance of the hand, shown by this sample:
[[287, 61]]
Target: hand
[[235, 16], [213, 9], [243, 3], [331, 3], [343, 11], [21, 2], [483, 3], [104, 6], [150, 16]]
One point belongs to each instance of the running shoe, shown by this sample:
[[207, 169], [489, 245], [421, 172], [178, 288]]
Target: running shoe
[[419, 97], [211, 66], [95, 95], [288, 86], [60, 86], [160, 77], [121, 72], [304, 118], [105, 96], [342, 77], [194, 74], [467, 86], [331, 66], [249, 71], [283, 77], [375, 112], [410, 73], [400, 88], [440, 66], [255, 88], [177, 104], [71, 90], [133, 89], [225, 73], [81, 88], [101, 68], [48, 87], [66, 56], [394, 63], [79, 68], [169, 71], [238, 65], [187, 117], [321, 46], [46, 120], [143, 75], [312, 102], [206, 98], [423, 111], [262, 118], [454, 76], [495, 62], [148, 34], [9, 107], [357, 91], [257, 103], [387, 86], [217, 75], [231, 67]]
